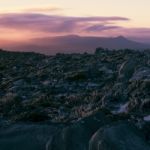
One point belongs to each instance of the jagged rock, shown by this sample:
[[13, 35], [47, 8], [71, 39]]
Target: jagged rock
[[142, 74], [127, 69]]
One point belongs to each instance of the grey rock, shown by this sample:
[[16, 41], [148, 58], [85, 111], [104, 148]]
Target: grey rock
[[26, 136], [120, 136]]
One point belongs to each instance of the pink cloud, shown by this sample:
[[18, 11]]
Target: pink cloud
[[54, 23], [42, 9], [32, 24]]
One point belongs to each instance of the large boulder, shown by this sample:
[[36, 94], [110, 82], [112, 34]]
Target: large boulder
[[142, 74], [120, 136], [127, 69], [26, 136], [77, 135]]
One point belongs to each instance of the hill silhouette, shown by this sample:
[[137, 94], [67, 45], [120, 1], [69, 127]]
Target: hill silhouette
[[76, 44]]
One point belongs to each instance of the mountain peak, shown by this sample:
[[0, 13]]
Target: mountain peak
[[121, 37]]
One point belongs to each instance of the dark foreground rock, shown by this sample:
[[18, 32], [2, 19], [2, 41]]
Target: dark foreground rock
[[77, 135], [26, 136], [100, 131], [120, 136]]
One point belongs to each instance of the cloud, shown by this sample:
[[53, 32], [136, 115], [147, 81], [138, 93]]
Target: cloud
[[30, 25], [136, 32], [42, 9], [55, 23], [98, 28]]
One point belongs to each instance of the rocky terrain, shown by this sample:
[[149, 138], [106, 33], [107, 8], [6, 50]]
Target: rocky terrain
[[84, 101]]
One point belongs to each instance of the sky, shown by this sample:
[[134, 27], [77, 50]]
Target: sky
[[28, 19]]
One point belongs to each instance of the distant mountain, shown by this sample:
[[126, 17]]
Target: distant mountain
[[78, 44]]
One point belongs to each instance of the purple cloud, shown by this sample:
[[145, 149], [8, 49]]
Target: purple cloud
[[97, 28], [56, 24], [36, 24]]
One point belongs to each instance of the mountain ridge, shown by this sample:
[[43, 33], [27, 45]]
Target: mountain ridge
[[76, 44]]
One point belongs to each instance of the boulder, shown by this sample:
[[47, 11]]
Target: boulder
[[119, 136], [77, 135], [142, 74], [26, 136]]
